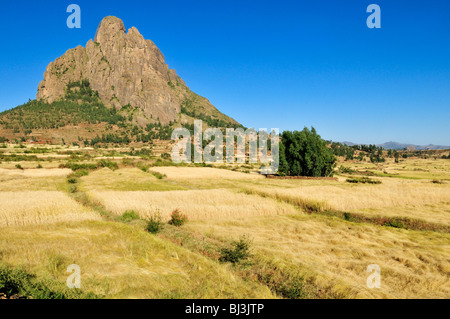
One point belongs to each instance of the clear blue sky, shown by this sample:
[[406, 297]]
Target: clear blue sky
[[268, 64]]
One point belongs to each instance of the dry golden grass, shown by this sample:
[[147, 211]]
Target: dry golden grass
[[15, 180], [16, 183], [197, 204], [46, 230], [413, 168], [120, 261], [126, 179], [40, 207], [183, 173], [335, 254], [394, 197], [37, 173]]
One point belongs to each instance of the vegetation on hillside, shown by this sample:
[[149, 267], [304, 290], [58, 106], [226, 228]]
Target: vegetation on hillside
[[81, 105], [190, 108]]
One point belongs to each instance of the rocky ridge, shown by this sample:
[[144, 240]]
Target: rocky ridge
[[125, 69]]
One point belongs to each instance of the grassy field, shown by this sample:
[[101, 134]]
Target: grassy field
[[308, 238]]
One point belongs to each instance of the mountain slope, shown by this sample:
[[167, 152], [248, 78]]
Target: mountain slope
[[128, 84]]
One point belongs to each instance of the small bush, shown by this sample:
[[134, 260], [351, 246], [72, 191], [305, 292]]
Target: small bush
[[437, 181], [293, 288], [72, 180], [166, 156], [39, 166], [346, 170], [129, 216], [394, 223], [240, 251], [80, 173], [363, 180], [75, 166], [15, 281], [111, 165], [347, 216], [177, 218], [158, 175], [18, 166], [154, 224], [72, 188]]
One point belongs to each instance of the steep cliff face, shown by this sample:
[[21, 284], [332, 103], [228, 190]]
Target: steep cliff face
[[124, 68]]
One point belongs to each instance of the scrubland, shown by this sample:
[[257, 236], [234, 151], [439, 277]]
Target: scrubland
[[303, 241]]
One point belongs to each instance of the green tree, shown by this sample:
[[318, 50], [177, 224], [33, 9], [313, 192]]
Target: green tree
[[305, 153]]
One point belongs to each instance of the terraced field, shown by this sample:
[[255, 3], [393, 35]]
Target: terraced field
[[312, 237]]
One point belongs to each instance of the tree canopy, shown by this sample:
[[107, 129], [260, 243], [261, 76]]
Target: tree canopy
[[305, 153]]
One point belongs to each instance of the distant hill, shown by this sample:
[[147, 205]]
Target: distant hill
[[401, 146]]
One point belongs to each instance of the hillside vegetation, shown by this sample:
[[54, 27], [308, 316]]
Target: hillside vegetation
[[82, 118]]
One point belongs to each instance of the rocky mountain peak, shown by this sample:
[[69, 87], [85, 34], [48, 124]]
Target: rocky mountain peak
[[108, 28], [126, 69], [123, 67]]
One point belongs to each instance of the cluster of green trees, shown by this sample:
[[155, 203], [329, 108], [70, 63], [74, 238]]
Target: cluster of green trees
[[375, 153], [108, 139], [305, 153]]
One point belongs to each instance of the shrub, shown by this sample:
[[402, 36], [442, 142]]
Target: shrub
[[129, 216], [294, 288], [19, 166], [177, 218], [394, 223], [240, 251], [15, 281], [159, 175], [75, 166], [72, 188], [363, 180], [346, 170], [39, 166], [72, 180], [80, 173], [154, 224], [347, 216], [111, 165]]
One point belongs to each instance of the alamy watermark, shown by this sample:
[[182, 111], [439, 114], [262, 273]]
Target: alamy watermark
[[74, 20], [74, 280], [374, 279], [189, 149], [374, 20]]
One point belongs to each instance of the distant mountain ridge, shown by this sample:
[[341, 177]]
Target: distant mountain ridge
[[400, 146]]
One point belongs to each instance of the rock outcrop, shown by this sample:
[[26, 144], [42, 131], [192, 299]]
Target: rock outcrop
[[123, 67]]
